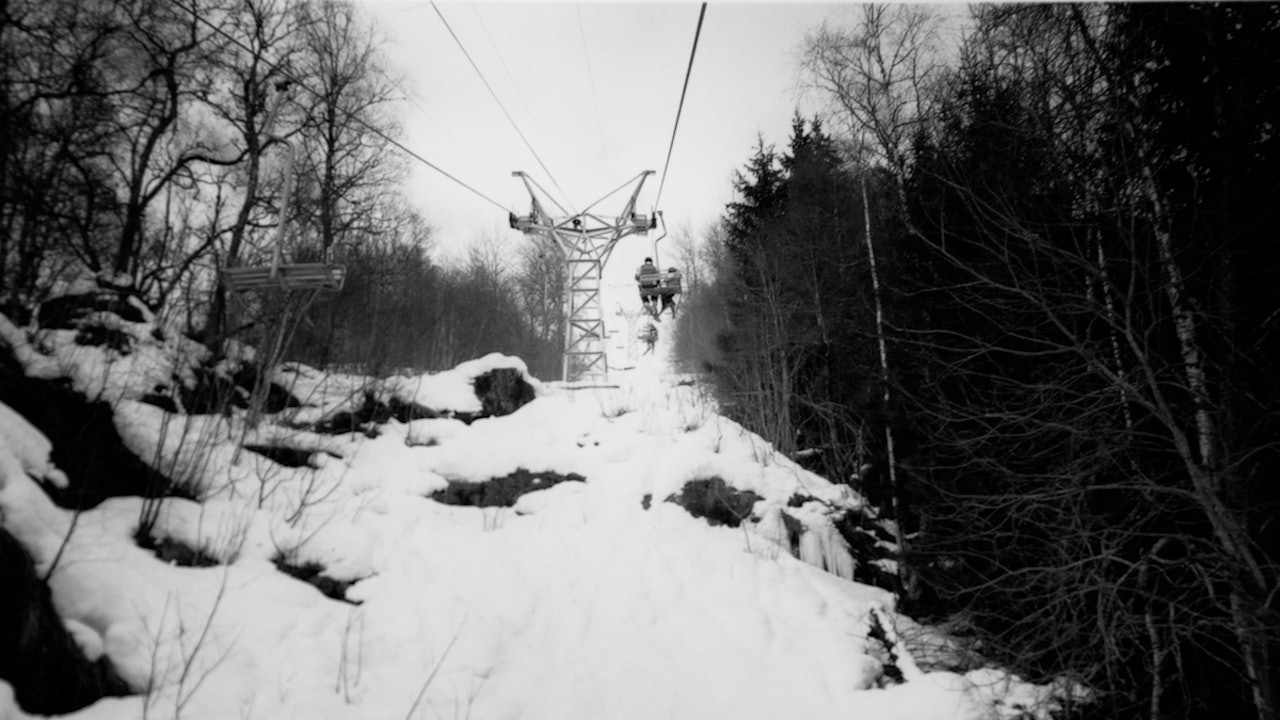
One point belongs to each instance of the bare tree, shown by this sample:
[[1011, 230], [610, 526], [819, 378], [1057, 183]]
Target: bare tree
[[880, 74], [345, 163], [259, 30], [1081, 358]]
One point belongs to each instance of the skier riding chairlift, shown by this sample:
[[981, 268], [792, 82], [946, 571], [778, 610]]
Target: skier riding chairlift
[[650, 336], [650, 282], [670, 288]]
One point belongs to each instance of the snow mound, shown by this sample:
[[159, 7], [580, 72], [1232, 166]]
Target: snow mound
[[335, 587]]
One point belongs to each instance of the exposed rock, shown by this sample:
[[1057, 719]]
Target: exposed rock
[[287, 456], [794, 529], [67, 311], [372, 412], [17, 312], [113, 338], [49, 672], [409, 411], [313, 574], [502, 391], [174, 552], [500, 492], [885, 651], [164, 402], [715, 501], [86, 445], [869, 542], [212, 393], [278, 398]]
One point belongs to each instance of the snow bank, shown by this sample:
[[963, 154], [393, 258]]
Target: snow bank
[[577, 602]]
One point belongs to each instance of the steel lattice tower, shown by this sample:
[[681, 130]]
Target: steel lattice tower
[[584, 240]]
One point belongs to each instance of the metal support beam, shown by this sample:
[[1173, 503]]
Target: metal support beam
[[585, 242]]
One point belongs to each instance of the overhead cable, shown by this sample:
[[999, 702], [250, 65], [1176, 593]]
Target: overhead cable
[[498, 100], [688, 71], [595, 96]]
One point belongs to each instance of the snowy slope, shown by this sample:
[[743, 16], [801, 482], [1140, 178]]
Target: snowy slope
[[590, 599]]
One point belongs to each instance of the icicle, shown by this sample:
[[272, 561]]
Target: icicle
[[822, 546], [771, 528]]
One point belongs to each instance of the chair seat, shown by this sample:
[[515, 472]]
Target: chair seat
[[658, 291], [299, 276]]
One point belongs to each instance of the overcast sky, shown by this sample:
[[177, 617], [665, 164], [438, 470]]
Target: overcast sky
[[594, 88]]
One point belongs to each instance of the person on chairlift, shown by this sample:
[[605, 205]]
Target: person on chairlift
[[648, 277], [671, 287], [650, 336]]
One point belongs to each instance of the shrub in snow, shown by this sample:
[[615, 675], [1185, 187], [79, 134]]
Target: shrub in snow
[[47, 669]]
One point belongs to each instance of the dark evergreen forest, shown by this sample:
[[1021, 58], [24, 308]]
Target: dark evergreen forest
[[1027, 301]]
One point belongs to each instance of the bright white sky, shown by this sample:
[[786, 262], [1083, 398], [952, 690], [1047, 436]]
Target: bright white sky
[[594, 87]]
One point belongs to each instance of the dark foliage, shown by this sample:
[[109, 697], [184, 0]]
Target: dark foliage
[[796, 348], [1080, 287], [1093, 221]]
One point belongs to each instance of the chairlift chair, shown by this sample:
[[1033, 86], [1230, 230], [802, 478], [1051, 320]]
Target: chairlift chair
[[317, 276]]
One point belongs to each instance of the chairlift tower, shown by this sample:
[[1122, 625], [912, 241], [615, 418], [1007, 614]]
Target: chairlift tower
[[584, 240]]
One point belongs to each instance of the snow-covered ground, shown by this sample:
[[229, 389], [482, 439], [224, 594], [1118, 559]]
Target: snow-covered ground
[[592, 599]]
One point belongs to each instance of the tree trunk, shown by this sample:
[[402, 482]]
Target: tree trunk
[[891, 459]]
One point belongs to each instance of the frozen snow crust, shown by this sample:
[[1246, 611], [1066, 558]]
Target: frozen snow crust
[[592, 598]]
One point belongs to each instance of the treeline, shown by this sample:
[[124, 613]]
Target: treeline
[[144, 140], [1064, 237]]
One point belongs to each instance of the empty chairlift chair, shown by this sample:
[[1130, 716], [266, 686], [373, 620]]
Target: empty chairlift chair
[[280, 275]]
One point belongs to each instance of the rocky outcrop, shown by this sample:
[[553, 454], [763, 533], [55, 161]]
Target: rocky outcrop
[[500, 492], [868, 540], [501, 391], [49, 672], [715, 501], [86, 445], [313, 574]]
